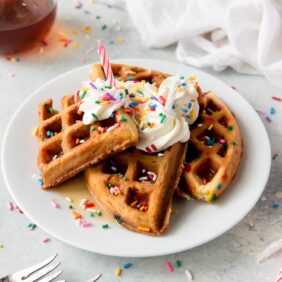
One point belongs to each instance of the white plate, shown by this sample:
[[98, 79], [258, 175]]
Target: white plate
[[195, 223]]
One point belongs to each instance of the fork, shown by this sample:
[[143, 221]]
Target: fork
[[38, 271]]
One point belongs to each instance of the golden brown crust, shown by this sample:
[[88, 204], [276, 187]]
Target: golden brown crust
[[72, 146], [214, 150], [158, 195]]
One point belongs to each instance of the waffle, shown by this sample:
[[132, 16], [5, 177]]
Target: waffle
[[214, 151], [67, 146], [133, 186]]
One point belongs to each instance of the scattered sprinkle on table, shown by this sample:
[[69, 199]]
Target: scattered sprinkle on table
[[31, 226], [45, 240], [54, 205], [118, 271], [276, 205], [276, 98], [189, 274], [105, 226], [127, 265], [1, 246], [104, 27], [272, 110], [178, 263], [169, 266]]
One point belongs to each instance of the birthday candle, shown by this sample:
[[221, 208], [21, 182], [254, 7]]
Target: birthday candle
[[105, 62]]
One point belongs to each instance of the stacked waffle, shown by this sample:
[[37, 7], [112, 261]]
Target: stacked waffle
[[133, 185]]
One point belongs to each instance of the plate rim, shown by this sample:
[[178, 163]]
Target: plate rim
[[129, 254]]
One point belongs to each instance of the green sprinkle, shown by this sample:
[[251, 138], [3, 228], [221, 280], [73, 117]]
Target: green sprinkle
[[101, 89], [184, 84], [99, 213], [108, 87], [95, 117], [126, 91], [140, 92], [93, 128], [181, 77], [98, 17], [123, 119], [104, 27], [230, 128], [178, 263], [110, 185], [105, 226], [148, 123], [163, 118], [83, 94], [234, 143], [51, 110], [213, 197], [97, 102], [219, 186], [125, 178], [70, 207]]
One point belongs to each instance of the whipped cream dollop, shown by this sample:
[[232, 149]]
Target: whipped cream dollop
[[162, 114]]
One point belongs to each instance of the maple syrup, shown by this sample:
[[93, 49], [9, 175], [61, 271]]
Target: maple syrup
[[23, 24]]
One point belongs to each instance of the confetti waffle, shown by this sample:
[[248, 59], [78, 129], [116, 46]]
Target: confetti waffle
[[214, 151], [67, 146], [136, 187]]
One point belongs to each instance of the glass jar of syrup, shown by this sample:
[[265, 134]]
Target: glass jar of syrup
[[24, 23]]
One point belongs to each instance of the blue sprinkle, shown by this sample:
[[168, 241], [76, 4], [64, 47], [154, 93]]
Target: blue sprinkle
[[153, 106], [133, 104], [188, 116], [130, 78], [190, 105], [184, 84], [91, 214], [173, 107], [185, 110], [48, 133], [111, 41], [127, 265], [210, 142], [276, 205], [40, 182], [272, 110], [112, 115]]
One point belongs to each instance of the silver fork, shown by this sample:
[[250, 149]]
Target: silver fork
[[38, 271]]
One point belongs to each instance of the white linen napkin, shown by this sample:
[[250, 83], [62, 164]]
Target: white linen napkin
[[243, 34]]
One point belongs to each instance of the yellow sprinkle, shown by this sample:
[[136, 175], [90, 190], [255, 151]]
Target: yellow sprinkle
[[142, 208], [13, 59], [143, 81], [154, 83], [75, 45], [131, 72], [120, 40], [133, 203], [86, 29], [1, 246], [118, 271], [180, 88], [35, 131], [105, 103], [143, 228], [192, 77], [210, 127]]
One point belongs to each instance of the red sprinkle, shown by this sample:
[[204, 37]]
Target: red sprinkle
[[149, 151], [168, 266], [163, 100], [89, 205], [154, 147], [204, 181], [277, 98]]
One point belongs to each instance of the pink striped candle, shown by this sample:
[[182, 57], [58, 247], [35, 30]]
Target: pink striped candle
[[105, 62]]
